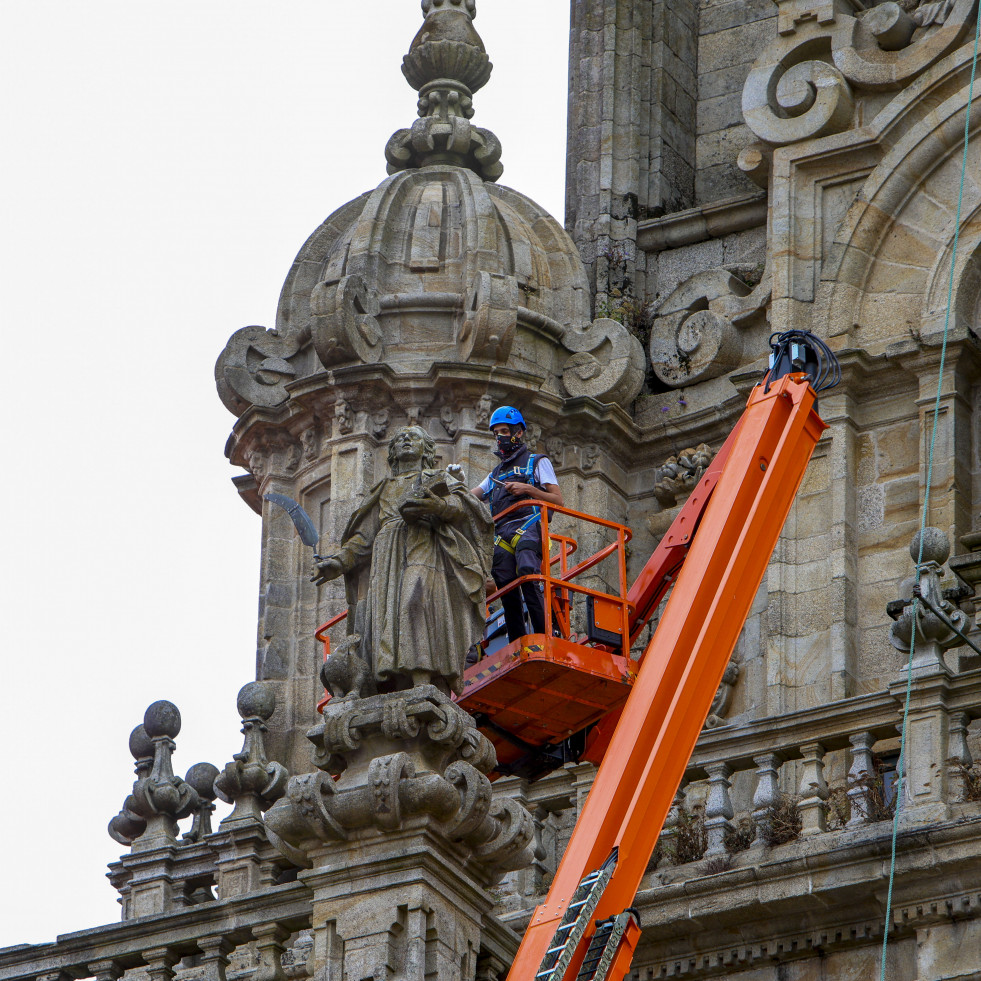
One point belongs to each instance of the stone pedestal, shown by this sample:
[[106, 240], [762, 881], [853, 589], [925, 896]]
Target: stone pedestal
[[245, 860], [402, 847], [396, 905], [925, 785]]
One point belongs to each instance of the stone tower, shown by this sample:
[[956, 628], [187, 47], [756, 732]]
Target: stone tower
[[429, 300]]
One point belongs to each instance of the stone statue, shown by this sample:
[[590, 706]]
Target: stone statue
[[415, 557]]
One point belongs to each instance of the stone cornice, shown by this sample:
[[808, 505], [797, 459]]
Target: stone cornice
[[699, 224], [834, 896], [125, 942]]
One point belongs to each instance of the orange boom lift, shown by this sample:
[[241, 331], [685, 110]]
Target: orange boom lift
[[585, 929]]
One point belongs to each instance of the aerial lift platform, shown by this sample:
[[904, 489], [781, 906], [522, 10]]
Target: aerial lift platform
[[533, 695]]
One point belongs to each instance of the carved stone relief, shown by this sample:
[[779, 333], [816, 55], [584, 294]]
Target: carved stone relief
[[255, 367], [482, 411], [379, 423], [723, 697], [554, 447], [274, 451], [804, 84], [697, 332], [676, 478], [343, 418], [310, 441], [447, 419]]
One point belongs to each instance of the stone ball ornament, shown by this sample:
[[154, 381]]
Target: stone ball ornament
[[162, 718], [256, 701], [140, 744], [936, 546], [201, 778]]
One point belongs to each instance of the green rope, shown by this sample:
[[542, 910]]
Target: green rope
[[900, 766]]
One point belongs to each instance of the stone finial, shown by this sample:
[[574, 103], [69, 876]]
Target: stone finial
[[201, 779], [933, 634], [250, 781], [159, 798], [129, 824], [446, 64]]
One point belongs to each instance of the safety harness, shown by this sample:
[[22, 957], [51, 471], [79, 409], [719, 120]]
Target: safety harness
[[522, 469]]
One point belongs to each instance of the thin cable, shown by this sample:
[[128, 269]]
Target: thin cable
[[901, 764]]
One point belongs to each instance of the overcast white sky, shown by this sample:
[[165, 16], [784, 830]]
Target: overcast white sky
[[162, 165]]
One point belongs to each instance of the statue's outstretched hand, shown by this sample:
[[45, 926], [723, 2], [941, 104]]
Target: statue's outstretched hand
[[326, 568]]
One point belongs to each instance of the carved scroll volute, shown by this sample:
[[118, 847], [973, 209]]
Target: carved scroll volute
[[607, 362], [255, 368], [490, 317], [787, 103], [693, 336], [890, 45], [345, 326], [801, 86]]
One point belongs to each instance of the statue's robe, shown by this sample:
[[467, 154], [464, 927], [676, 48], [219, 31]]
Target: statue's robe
[[415, 590]]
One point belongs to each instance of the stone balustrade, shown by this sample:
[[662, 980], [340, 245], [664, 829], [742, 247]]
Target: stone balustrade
[[269, 922], [831, 766]]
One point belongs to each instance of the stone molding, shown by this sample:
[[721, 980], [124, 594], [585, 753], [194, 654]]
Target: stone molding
[[714, 220]]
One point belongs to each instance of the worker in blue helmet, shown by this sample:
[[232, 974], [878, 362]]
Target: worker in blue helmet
[[521, 475]]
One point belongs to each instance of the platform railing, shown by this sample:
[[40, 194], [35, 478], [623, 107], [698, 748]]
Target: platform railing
[[557, 588]]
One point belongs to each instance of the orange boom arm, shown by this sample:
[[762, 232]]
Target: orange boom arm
[[680, 672]]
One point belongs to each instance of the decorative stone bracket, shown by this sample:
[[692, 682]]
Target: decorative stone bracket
[[490, 317], [346, 324], [607, 362], [255, 367]]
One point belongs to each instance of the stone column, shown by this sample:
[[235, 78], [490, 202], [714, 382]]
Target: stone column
[[767, 792], [859, 774], [631, 130], [718, 807], [813, 790]]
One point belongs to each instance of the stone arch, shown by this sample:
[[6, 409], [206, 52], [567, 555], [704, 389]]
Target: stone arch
[[888, 268]]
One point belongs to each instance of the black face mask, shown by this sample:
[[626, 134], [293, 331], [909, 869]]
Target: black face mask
[[507, 444]]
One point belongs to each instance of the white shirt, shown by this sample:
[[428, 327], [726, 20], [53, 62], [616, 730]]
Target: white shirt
[[543, 470]]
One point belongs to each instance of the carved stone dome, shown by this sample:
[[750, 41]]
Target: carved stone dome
[[436, 264]]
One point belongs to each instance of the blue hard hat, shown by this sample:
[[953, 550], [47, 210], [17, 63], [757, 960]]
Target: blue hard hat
[[506, 414]]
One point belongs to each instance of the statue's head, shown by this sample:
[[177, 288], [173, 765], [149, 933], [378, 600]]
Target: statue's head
[[411, 448]]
